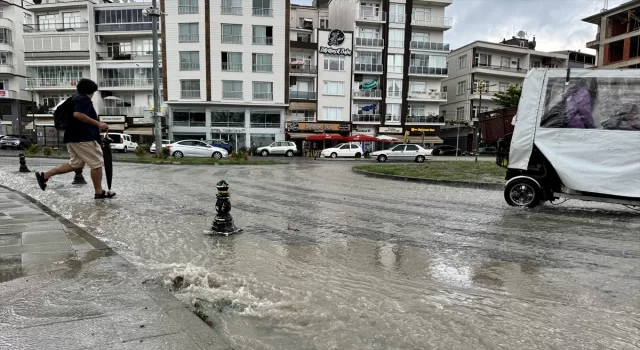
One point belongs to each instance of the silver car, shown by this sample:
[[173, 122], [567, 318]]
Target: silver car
[[403, 152]]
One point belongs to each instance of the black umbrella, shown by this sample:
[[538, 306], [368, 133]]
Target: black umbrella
[[108, 159]]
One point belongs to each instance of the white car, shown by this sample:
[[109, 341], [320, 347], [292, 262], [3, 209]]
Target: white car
[[285, 148], [195, 148], [406, 152], [122, 142], [152, 149], [343, 150]]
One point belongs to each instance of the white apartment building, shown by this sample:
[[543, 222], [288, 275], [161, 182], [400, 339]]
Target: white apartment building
[[496, 65], [225, 69], [14, 100], [110, 43]]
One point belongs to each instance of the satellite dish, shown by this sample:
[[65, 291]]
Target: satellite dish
[[521, 34]]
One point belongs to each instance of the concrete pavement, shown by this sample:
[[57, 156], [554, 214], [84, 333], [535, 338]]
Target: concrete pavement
[[61, 288]]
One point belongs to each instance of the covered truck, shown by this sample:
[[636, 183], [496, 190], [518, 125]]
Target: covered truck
[[576, 135]]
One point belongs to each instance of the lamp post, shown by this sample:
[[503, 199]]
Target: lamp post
[[155, 14]]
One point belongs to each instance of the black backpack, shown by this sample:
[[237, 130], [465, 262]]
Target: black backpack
[[63, 115]]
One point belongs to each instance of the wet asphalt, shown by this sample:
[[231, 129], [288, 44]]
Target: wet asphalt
[[333, 260]]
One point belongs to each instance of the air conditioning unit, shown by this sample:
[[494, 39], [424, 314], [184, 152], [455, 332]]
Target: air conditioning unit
[[99, 39]]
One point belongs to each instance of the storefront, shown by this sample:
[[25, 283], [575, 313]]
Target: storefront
[[365, 130], [116, 123], [298, 131], [141, 130], [425, 136], [390, 131], [237, 137]]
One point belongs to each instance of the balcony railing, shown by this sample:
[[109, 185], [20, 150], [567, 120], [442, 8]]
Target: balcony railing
[[8, 94], [126, 82], [434, 22], [302, 95], [423, 119], [425, 45], [367, 93], [6, 22], [51, 82], [262, 40], [128, 111], [265, 125], [485, 93], [197, 123], [57, 55], [365, 67], [124, 27], [57, 26], [125, 56], [423, 95], [369, 42], [189, 66], [232, 95], [262, 12], [263, 96], [365, 118], [187, 9], [231, 39], [189, 38], [231, 10], [392, 119], [428, 70], [232, 67], [371, 16], [303, 69], [501, 68], [190, 94], [263, 68], [304, 118]]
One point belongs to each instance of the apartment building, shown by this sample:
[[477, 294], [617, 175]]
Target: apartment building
[[493, 66], [617, 41], [577, 59], [110, 43], [225, 73], [14, 100]]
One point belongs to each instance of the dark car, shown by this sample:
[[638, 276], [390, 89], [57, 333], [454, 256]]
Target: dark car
[[220, 143], [487, 150], [445, 150], [15, 142]]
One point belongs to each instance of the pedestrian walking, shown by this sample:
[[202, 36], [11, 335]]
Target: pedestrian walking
[[82, 136]]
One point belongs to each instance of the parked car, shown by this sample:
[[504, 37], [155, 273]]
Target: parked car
[[487, 150], [1, 136], [445, 150], [403, 152], [152, 149], [15, 142], [196, 148], [220, 144], [279, 148], [122, 142], [343, 150]]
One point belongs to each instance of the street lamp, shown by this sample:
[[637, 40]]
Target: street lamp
[[155, 14]]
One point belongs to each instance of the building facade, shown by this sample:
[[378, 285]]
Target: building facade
[[617, 41], [224, 72]]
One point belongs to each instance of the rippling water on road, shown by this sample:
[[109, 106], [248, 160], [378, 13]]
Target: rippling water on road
[[332, 260]]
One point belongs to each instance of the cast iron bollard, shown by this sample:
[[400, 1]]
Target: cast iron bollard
[[223, 222], [23, 164], [78, 179]]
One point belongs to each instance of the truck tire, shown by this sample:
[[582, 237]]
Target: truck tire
[[524, 193]]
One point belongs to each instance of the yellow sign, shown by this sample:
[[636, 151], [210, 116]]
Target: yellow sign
[[422, 130]]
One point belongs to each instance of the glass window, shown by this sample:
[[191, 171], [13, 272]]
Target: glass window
[[262, 62], [28, 18], [462, 61], [461, 87], [190, 88], [421, 37], [187, 6], [503, 87], [417, 87], [505, 62], [232, 89], [396, 38], [416, 110], [188, 33], [265, 119], [411, 148], [334, 88], [261, 140], [232, 61], [231, 7], [335, 63], [46, 22], [460, 113], [393, 112], [262, 90], [395, 63], [483, 59], [231, 33], [227, 118], [396, 13], [189, 60], [262, 35], [422, 14], [394, 87], [369, 33], [72, 20], [332, 113], [398, 148], [262, 8]]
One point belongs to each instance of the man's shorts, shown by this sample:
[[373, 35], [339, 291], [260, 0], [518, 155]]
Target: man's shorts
[[83, 153]]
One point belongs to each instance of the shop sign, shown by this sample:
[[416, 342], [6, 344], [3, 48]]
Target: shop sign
[[316, 127], [364, 130], [142, 120], [4, 93], [341, 51], [428, 130], [344, 127], [389, 130], [336, 38], [112, 119], [229, 130]]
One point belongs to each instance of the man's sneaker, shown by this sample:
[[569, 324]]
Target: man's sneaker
[[41, 180]]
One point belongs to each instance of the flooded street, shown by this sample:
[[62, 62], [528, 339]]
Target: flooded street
[[333, 260]]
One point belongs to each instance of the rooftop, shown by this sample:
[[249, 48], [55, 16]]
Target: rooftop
[[595, 19]]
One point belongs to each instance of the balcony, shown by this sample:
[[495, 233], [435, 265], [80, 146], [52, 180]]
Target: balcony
[[6, 23], [368, 68], [187, 9], [431, 22], [189, 66], [302, 95], [52, 83], [231, 67], [262, 40], [429, 46], [126, 111], [189, 38], [7, 68], [423, 119], [594, 44], [302, 70], [124, 27], [366, 118], [262, 12], [126, 83], [390, 119], [435, 96], [371, 16], [262, 68], [231, 39], [57, 55], [190, 95], [126, 56], [369, 42], [424, 71], [476, 95], [8, 94], [231, 10], [304, 118], [366, 94], [232, 95], [80, 25], [263, 96], [517, 70], [303, 43]]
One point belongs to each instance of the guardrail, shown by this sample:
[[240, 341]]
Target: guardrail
[[366, 118]]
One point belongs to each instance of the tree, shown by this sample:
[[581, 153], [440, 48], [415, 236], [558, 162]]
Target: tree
[[509, 98]]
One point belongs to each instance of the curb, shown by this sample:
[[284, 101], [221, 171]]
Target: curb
[[133, 161], [450, 183]]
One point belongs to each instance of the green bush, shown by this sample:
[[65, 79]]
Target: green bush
[[165, 153], [253, 150], [33, 150], [47, 151], [239, 156], [141, 152]]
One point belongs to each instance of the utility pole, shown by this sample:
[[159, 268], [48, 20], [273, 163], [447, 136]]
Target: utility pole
[[154, 13], [476, 137]]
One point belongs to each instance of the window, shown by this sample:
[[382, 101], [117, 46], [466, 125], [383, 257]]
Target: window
[[262, 62], [463, 61], [262, 35], [262, 8], [443, 113], [396, 13], [483, 109], [393, 112], [5, 58], [117, 49], [231, 33], [503, 87], [227, 118], [417, 111], [333, 88], [266, 119], [262, 90], [420, 37], [72, 20], [421, 14], [394, 87], [145, 46], [398, 148], [368, 10], [369, 33], [27, 18], [335, 63], [484, 86], [189, 60], [417, 87], [324, 23], [332, 113], [505, 62], [396, 38], [188, 33], [460, 113], [232, 61], [412, 148], [444, 89], [46, 23], [483, 60], [187, 6], [232, 89], [189, 89], [461, 87], [394, 63], [536, 64], [231, 7], [302, 116]]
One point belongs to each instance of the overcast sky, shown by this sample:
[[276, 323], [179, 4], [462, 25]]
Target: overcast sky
[[556, 24]]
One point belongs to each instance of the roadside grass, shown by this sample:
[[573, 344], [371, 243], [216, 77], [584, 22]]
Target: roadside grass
[[454, 170]]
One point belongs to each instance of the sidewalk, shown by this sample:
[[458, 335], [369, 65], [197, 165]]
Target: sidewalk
[[61, 288]]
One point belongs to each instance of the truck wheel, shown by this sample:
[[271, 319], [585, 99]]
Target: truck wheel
[[523, 193]]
